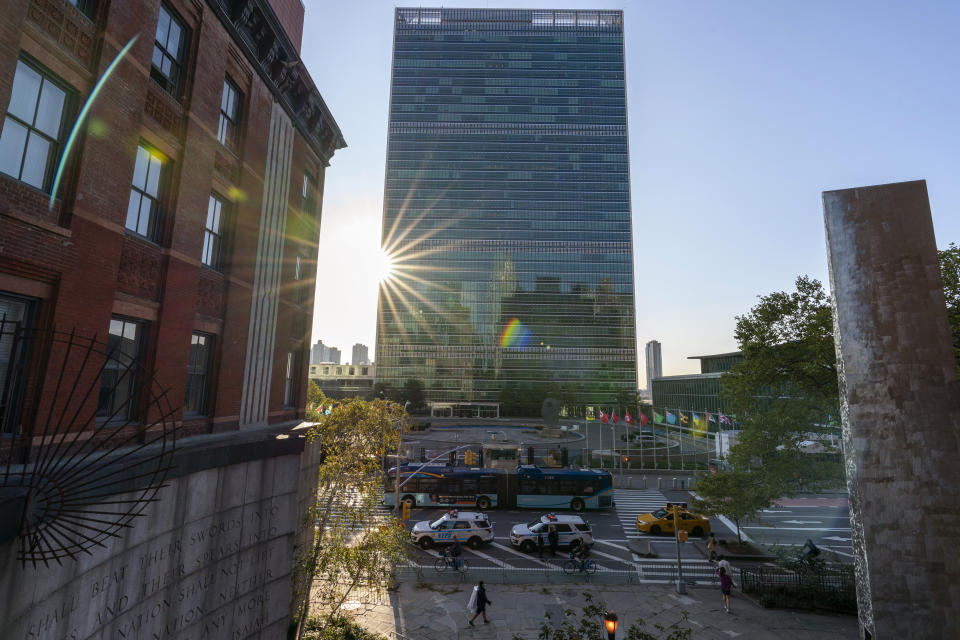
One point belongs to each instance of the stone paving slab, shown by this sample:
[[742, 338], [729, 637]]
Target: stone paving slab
[[438, 612]]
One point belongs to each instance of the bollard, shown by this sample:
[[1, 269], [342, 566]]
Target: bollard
[[674, 483], [629, 482], [644, 482], [692, 483], [683, 484], [659, 483]]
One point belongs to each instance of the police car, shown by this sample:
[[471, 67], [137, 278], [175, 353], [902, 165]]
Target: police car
[[469, 527], [572, 531]]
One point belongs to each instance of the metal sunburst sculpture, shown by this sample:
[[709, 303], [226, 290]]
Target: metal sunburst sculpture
[[92, 443]]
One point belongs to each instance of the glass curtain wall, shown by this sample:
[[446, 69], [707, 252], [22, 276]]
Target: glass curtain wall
[[507, 209]]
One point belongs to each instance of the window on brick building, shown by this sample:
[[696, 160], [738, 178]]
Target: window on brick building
[[290, 380], [213, 244], [228, 131], [308, 202], [34, 127], [16, 314], [198, 374], [143, 210], [120, 378], [87, 7], [169, 52]]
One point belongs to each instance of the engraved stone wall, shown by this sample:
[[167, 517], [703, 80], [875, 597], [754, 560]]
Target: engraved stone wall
[[900, 403], [212, 559]]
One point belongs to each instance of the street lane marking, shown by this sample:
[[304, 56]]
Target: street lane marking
[[618, 546]]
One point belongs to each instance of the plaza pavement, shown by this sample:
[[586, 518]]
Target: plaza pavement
[[438, 612]]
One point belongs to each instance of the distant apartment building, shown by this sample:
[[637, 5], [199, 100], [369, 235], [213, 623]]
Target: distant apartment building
[[654, 363], [507, 207], [344, 380], [360, 355], [179, 226], [322, 353]]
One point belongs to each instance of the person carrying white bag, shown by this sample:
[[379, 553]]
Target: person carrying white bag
[[478, 603]]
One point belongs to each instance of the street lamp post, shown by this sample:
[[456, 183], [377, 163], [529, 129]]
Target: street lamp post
[[396, 491], [675, 509], [610, 623]]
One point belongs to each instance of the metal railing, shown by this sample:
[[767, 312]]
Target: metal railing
[[829, 589], [647, 573]]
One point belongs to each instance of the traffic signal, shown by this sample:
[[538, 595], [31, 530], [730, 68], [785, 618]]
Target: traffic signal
[[469, 457], [405, 510]]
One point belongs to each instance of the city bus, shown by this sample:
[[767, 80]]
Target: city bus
[[574, 489], [444, 486], [527, 486]]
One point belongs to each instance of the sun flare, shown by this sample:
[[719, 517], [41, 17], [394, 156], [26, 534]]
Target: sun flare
[[383, 266]]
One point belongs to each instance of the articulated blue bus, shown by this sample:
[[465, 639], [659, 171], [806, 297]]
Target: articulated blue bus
[[444, 486], [528, 486]]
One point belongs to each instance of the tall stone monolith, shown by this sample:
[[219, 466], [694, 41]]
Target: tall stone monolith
[[900, 403]]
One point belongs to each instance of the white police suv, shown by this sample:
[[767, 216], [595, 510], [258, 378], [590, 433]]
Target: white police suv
[[572, 531], [469, 527]]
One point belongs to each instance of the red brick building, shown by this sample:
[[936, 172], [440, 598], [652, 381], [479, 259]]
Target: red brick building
[[183, 231]]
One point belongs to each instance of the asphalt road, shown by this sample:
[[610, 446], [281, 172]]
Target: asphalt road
[[825, 520]]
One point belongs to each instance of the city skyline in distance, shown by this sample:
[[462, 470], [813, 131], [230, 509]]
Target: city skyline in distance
[[741, 115]]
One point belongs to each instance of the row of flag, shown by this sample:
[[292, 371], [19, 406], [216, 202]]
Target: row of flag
[[700, 420]]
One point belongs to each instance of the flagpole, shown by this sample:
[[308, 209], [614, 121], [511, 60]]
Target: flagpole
[[668, 442]]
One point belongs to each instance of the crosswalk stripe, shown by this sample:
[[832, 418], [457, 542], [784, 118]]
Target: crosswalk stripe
[[486, 556], [522, 555]]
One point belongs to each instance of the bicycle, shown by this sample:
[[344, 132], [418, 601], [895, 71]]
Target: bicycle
[[445, 562], [576, 565]]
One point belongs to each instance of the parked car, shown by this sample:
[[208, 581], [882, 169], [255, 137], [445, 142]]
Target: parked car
[[572, 531], [469, 527]]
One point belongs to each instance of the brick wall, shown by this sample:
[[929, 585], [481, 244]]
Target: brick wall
[[89, 266]]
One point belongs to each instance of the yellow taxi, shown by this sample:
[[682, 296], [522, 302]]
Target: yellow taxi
[[661, 521]]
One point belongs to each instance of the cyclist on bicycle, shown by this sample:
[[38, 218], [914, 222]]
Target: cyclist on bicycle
[[455, 551]]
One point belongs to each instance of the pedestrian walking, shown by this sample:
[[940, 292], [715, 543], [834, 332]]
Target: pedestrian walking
[[723, 563], [726, 582], [480, 603], [712, 546], [540, 544], [553, 538]]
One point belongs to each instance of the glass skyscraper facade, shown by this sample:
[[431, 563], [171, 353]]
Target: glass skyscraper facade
[[507, 209]]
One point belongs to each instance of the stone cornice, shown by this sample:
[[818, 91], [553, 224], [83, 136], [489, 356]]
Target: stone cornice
[[255, 27]]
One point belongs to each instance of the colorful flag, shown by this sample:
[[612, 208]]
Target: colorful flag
[[724, 420], [711, 417], [699, 425], [657, 417], [613, 416], [696, 419], [671, 419], [602, 417], [628, 418], [684, 419], [643, 419]]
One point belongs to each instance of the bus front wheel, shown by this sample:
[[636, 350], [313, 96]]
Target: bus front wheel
[[483, 503], [577, 505]]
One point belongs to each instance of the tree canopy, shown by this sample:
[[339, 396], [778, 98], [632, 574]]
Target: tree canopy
[[950, 272]]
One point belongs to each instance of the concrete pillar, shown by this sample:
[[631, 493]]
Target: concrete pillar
[[900, 405]]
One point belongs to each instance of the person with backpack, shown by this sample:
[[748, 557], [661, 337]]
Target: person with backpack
[[455, 552], [726, 583], [480, 602]]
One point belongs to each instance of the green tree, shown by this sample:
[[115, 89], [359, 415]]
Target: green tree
[[785, 389], [350, 546], [734, 494], [950, 272], [413, 393]]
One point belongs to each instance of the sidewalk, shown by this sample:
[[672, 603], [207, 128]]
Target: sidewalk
[[438, 612]]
